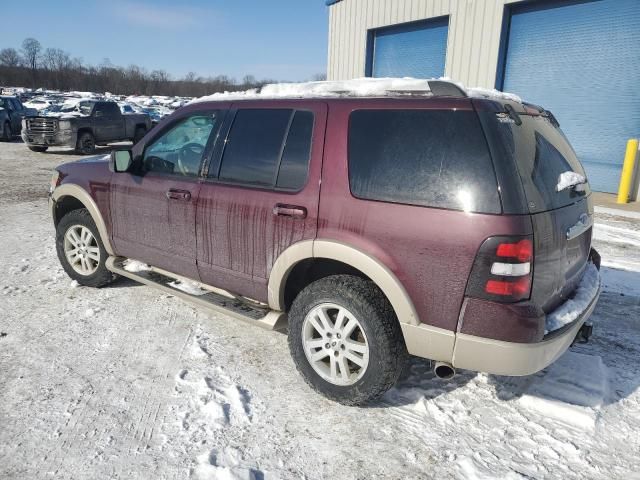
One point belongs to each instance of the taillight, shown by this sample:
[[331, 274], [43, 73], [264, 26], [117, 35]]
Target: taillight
[[502, 270], [522, 250]]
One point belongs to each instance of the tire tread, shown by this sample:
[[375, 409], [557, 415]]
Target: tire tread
[[101, 276], [385, 326]]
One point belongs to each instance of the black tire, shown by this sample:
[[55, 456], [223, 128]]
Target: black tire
[[86, 144], [139, 134], [37, 149], [387, 351], [81, 217], [7, 134]]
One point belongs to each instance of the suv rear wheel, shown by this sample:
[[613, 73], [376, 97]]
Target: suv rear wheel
[[80, 249], [86, 143], [345, 339]]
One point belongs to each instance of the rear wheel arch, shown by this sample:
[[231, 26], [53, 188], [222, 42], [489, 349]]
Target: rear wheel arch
[[321, 258], [69, 197]]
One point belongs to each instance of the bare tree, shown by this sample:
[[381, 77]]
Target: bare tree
[[9, 57], [31, 49], [55, 68]]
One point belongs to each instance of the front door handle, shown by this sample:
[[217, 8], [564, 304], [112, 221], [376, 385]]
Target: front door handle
[[173, 194], [292, 211]]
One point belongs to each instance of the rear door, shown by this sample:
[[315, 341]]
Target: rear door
[[261, 193], [16, 113]]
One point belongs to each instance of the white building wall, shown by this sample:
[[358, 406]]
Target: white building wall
[[473, 40]]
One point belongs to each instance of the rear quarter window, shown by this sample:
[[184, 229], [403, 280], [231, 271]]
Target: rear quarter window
[[432, 158]]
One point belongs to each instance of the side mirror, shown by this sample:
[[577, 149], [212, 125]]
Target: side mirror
[[120, 160]]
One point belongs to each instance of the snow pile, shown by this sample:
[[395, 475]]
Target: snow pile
[[135, 266], [571, 179], [357, 87], [192, 288], [479, 92], [209, 402], [573, 308], [571, 392]]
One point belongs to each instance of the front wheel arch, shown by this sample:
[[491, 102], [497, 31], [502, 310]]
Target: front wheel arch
[[79, 196]]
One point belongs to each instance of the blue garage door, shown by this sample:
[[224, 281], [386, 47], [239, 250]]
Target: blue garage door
[[582, 62], [410, 50]]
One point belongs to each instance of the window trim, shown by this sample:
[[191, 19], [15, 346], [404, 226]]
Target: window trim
[[208, 149], [216, 158]]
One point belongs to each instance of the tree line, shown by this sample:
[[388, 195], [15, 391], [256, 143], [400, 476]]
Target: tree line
[[52, 68]]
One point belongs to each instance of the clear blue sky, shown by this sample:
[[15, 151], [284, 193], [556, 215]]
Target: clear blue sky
[[279, 39]]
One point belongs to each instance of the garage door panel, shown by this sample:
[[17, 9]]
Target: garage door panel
[[410, 50], [581, 61]]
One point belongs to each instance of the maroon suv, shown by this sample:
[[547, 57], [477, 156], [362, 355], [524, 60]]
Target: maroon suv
[[436, 225]]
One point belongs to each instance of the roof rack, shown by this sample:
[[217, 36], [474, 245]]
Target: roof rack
[[362, 87]]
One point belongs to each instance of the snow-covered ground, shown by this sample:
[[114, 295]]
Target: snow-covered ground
[[127, 382]]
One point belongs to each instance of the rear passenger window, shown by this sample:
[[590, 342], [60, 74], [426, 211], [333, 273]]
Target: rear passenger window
[[434, 158], [295, 157], [254, 146], [268, 148]]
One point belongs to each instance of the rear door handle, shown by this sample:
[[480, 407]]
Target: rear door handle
[[292, 211], [173, 194]]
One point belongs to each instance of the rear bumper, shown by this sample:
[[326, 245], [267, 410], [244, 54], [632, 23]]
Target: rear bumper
[[517, 359]]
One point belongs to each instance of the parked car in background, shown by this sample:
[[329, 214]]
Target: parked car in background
[[38, 103], [12, 112], [88, 124], [452, 228]]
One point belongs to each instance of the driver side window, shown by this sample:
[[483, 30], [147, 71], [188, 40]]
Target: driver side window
[[180, 150]]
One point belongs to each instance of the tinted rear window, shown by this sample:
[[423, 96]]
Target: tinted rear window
[[541, 153], [434, 158]]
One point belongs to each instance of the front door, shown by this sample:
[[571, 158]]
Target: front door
[[261, 193], [154, 206]]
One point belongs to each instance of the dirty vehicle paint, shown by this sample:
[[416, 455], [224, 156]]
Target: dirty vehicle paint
[[184, 209]]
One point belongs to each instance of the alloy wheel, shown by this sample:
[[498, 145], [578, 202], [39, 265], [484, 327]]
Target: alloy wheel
[[81, 250], [335, 344]]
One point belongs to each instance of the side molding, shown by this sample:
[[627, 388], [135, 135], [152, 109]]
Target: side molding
[[79, 193]]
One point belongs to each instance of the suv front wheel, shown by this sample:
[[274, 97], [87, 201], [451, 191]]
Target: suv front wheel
[[346, 340], [80, 249]]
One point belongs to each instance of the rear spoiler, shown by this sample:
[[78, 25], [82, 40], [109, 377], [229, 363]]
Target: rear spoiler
[[543, 112]]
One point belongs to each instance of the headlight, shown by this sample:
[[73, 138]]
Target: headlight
[[55, 181], [64, 125]]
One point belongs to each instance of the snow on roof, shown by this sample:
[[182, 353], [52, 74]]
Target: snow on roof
[[358, 87]]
